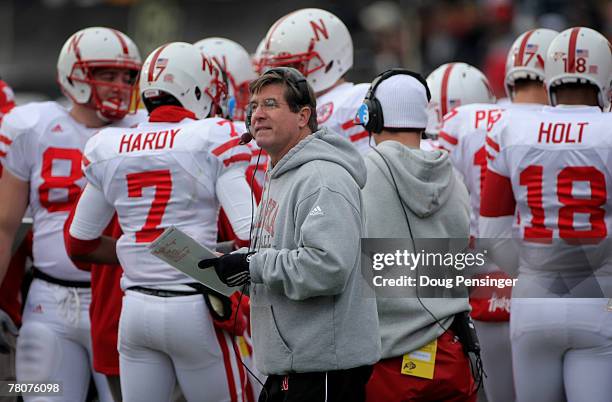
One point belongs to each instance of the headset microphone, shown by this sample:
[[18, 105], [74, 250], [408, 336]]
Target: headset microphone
[[245, 138]]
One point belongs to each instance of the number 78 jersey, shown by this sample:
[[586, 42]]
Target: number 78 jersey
[[555, 167]]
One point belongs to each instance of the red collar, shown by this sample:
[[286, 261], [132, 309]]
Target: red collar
[[170, 114]]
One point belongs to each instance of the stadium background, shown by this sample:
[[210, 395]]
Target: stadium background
[[417, 34]]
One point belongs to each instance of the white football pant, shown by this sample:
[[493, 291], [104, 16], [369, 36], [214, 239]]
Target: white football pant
[[562, 349], [165, 339], [54, 343], [496, 354]]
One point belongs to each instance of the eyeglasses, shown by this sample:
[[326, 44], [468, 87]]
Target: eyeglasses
[[267, 105]]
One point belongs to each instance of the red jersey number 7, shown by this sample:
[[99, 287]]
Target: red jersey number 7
[[162, 181]]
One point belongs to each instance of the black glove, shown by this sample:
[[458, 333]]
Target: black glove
[[232, 269], [6, 326]]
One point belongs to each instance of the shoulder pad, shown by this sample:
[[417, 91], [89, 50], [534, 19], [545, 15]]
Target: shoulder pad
[[23, 118], [96, 146]]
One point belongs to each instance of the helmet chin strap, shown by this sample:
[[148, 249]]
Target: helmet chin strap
[[553, 98], [110, 107], [108, 110], [102, 117]]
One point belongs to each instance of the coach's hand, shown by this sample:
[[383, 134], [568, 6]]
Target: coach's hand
[[232, 269], [6, 326]]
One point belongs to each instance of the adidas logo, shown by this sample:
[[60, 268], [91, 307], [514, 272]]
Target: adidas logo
[[316, 211], [57, 129]]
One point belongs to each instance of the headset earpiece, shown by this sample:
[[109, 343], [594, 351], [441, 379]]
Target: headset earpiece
[[372, 113], [231, 107]]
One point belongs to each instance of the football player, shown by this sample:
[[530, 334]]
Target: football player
[[319, 45], [10, 305], [176, 170], [452, 85], [463, 131], [234, 61], [41, 147], [256, 57], [553, 167]]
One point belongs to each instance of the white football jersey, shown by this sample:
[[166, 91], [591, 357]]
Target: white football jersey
[[555, 167], [162, 174], [462, 133], [42, 144], [337, 108], [258, 168]]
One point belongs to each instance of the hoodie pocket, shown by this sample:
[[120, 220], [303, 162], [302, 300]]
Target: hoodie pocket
[[267, 340]]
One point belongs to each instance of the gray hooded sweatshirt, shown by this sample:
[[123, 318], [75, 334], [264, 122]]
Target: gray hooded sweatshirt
[[437, 205], [310, 308]]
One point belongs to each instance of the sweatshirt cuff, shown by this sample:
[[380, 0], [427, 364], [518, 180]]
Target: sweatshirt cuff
[[256, 267]]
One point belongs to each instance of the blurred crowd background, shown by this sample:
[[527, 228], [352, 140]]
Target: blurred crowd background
[[417, 34]]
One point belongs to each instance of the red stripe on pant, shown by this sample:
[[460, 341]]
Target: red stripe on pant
[[228, 365], [247, 390]]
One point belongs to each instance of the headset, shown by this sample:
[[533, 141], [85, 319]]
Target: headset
[[296, 80], [370, 113], [370, 116]]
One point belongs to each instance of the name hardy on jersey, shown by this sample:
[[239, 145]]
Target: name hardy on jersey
[[561, 133], [149, 141]]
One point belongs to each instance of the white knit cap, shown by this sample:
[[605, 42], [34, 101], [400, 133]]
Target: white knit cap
[[404, 102]]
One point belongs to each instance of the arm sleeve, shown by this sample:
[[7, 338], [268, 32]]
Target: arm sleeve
[[497, 206], [329, 230], [14, 139], [235, 197], [449, 132], [89, 162], [495, 222], [450, 140], [497, 202], [224, 145], [92, 216], [496, 159]]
